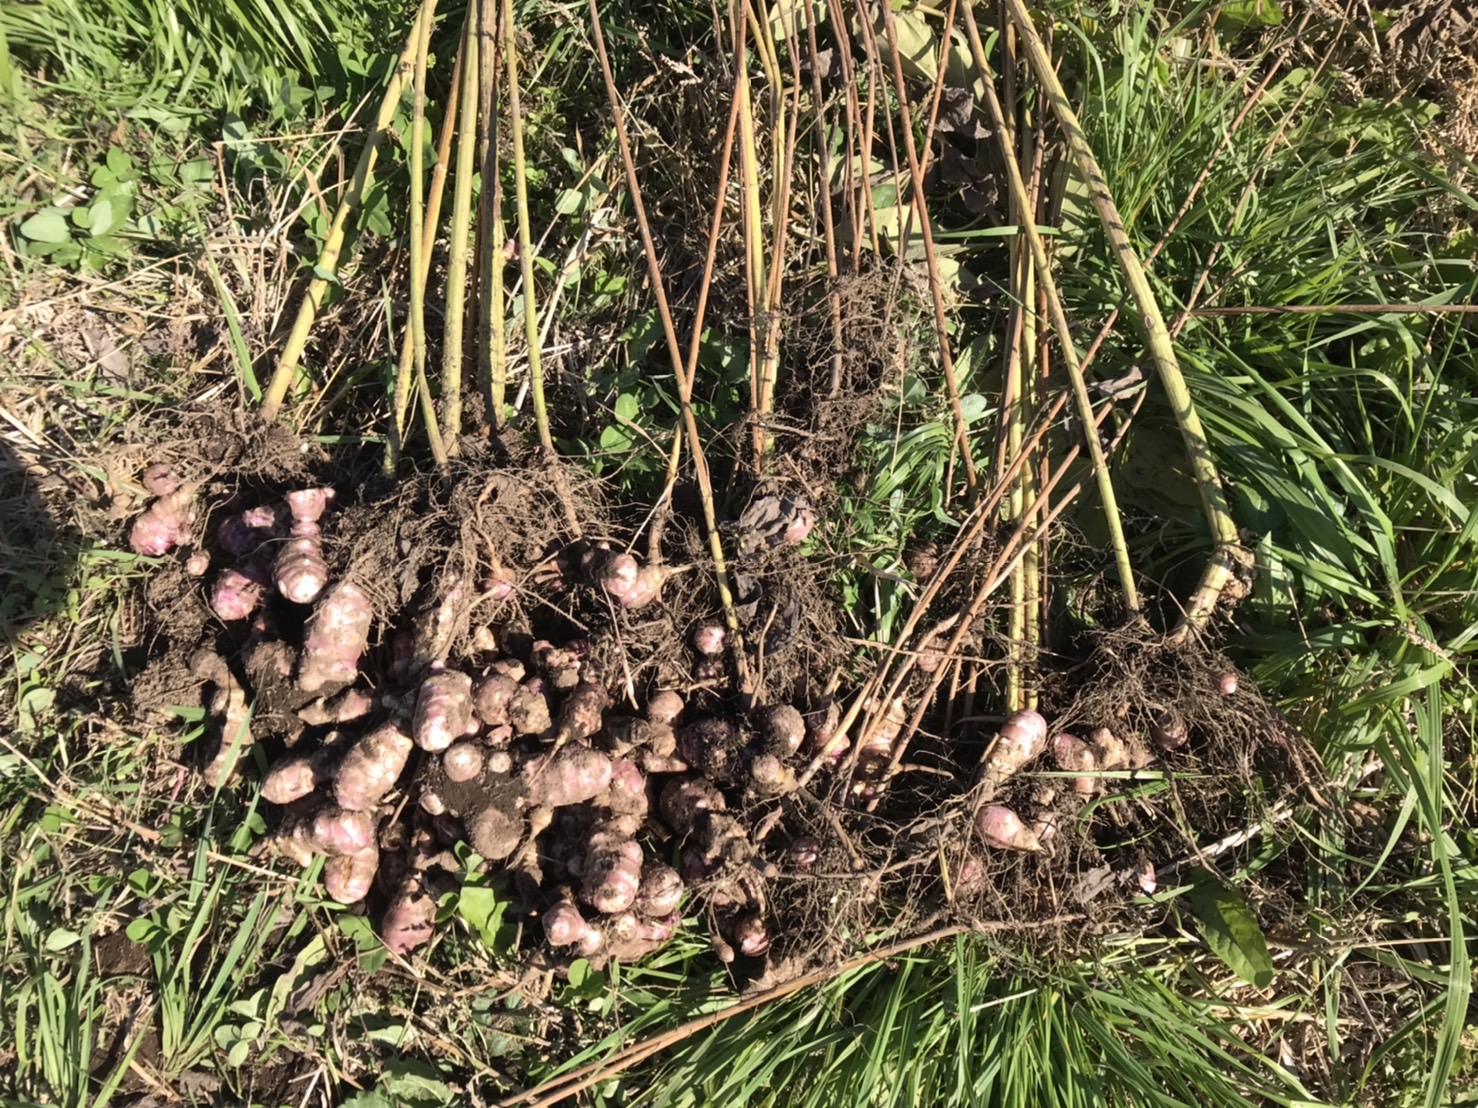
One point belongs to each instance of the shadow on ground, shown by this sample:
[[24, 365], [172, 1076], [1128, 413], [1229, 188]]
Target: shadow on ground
[[38, 551]]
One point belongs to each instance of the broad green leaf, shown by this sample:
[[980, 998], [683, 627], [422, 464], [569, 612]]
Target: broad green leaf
[[60, 940], [627, 407], [479, 906], [1231, 930], [100, 213], [48, 225]]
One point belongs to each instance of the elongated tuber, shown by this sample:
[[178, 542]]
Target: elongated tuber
[[336, 635], [1002, 828], [232, 713], [292, 779], [371, 768], [443, 711], [581, 714], [348, 877], [572, 776], [1021, 738], [300, 572]]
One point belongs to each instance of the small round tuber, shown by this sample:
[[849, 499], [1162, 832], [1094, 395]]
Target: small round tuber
[[803, 852], [1168, 731], [342, 831], [495, 834], [660, 892], [782, 729], [770, 776], [664, 706], [707, 638], [308, 505], [165, 524], [491, 697], [1227, 683], [462, 761], [565, 926], [238, 591], [684, 800], [528, 711]]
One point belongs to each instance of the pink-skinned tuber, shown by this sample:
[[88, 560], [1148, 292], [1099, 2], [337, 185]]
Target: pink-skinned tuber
[[293, 778], [342, 831], [336, 634], [165, 524], [443, 711], [410, 920], [308, 505], [626, 795], [1073, 755], [1021, 738], [462, 762], [1002, 828], [300, 572], [564, 926], [708, 638], [581, 714], [348, 706], [782, 729], [803, 852], [229, 706], [495, 834], [491, 697], [660, 892], [348, 877], [238, 591], [1168, 731], [573, 775], [371, 767], [611, 873], [751, 937], [769, 776]]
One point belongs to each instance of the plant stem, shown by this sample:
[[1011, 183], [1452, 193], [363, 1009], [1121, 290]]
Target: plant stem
[[1084, 405], [1157, 337], [492, 348], [420, 254], [328, 258], [405, 366], [525, 236], [461, 232]]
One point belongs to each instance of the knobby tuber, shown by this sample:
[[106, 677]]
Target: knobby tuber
[[238, 590], [165, 524], [782, 729], [1021, 738], [342, 831], [300, 572], [462, 762], [443, 711], [292, 779], [336, 635], [581, 714], [684, 800], [564, 926], [664, 707], [611, 872], [1073, 755], [660, 892], [708, 637], [528, 711], [371, 768], [572, 776], [348, 877], [491, 697]]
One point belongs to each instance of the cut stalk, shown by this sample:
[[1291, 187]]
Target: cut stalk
[[406, 364], [461, 231], [420, 255], [328, 258], [525, 235], [828, 222], [492, 348], [1157, 337], [1102, 475]]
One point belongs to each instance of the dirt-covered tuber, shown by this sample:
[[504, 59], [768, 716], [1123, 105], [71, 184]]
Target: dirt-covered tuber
[[336, 635], [348, 877], [684, 800], [443, 711], [237, 592], [292, 779], [571, 776], [611, 873], [660, 892], [564, 926], [410, 919], [165, 524], [462, 762], [1021, 738], [1002, 828], [782, 729], [371, 767]]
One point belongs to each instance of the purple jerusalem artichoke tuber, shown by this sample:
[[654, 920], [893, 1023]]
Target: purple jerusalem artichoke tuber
[[664, 706], [707, 639], [564, 926], [611, 873], [782, 729], [462, 761], [300, 572], [336, 635], [1021, 738], [1002, 828], [684, 800], [410, 920], [660, 892], [574, 775], [371, 767], [165, 524], [293, 778], [443, 711], [348, 877]]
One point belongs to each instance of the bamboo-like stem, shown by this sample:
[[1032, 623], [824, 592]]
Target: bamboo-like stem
[[461, 232], [492, 347], [941, 324], [756, 281], [328, 258], [401, 389], [1028, 225], [684, 379], [1157, 337], [828, 223], [420, 229], [525, 235]]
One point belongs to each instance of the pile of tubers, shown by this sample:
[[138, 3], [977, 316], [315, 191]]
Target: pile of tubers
[[603, 817]]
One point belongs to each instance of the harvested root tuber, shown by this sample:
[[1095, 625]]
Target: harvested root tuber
[[782, 729], [769, 776], [245, 534], [564, 926], [750, 936], [664, 706], [491, 697], [410, 919], [348, 706], [611, 872], [1021, 738], [626, 795], [660, 892], [308, 505], [528, 711], [371, 768], [685, 800], [707, 639], [1168, 731], [293, 778], [711, 746], [1073, 755], [1002, 828], [342, 831], [462, 762], [336, 635], [300, 572], [443, 711], [161, 479], [572, 776], [233, 716], [495, 834], [581, 714], [348, 877], [803, 852], [165, 524]]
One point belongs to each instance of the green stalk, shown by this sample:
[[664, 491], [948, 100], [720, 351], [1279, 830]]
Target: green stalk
[[1084, 405], [1157, 336], [420, 255], [461, 231], [525, 237], [492, 348], [402, 388], [328, 258]]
